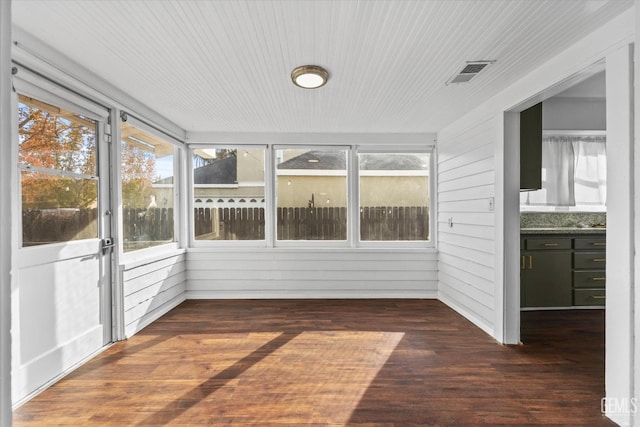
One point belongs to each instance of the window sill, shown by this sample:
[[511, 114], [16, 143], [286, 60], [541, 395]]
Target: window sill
[[149, 255]]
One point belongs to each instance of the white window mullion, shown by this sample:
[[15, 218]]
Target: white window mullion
[[353, 206], [270, 216]]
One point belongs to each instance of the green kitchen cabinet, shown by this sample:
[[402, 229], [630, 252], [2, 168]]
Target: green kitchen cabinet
[[589, 271], [531, 148], [545, 274]]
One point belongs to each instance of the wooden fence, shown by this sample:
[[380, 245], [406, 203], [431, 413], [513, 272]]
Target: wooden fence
[[156, 224], [376, 223], [229, 223], [394, 223], [40, 226], [141, 224]]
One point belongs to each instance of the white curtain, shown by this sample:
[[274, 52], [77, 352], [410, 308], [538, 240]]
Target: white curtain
[[574, 172]]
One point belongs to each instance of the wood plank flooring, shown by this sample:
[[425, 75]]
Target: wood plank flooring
[[334, 363]]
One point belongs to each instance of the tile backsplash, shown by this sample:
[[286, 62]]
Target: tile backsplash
[[561, 219]]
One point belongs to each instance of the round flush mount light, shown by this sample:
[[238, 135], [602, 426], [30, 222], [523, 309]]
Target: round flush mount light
[[309, 76]]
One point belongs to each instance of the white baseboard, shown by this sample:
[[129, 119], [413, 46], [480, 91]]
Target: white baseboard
[[469, 315], [140, 324], [312, 293]]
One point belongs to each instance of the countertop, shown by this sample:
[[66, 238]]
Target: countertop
[[564, 230]]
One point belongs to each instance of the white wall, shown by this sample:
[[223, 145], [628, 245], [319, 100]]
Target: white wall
[[6, 172], [308, 273], [574, 114], [466, 184], [482, 129], [152, 287], [491, 119], [620, 240]]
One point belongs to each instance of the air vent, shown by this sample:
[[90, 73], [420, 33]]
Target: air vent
[[469, 71]]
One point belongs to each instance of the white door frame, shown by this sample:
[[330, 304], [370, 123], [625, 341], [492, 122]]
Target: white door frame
[[619, 369], [55, 362]]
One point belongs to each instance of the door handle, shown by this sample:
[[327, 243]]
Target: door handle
[[522, 265], [599, 259], [550, 244], [530, 262]]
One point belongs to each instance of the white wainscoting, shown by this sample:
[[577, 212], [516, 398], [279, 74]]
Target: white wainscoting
[[308, 273], [466, 225], [151, 289]]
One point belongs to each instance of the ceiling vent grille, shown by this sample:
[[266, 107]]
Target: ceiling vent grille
[[469, 71]]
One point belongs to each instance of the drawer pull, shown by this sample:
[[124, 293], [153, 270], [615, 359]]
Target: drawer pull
[[598, 296], [598, 278], [550, 244], [599, 259], [599, 243]]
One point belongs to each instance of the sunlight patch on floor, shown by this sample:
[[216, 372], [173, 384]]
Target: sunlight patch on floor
[[337, 368]]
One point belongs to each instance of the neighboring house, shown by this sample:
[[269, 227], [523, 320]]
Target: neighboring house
[[310, 178]]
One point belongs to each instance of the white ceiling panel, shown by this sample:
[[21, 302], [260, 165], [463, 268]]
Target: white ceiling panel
[[224, 66]]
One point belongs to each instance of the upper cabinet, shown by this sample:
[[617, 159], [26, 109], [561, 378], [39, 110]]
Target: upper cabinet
[[531, 148]]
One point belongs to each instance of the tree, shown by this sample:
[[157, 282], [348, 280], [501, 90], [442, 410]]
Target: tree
[[138, 174], [57, 140], [53, 139]]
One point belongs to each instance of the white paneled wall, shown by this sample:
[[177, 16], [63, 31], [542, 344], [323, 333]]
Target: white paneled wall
[[466, 223], [151, 289], [305, 273]]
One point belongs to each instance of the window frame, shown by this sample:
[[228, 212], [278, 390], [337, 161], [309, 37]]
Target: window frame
[[30, 85], [136, 255], [399, 149], [353, 198], [348, 242], [260, 243]]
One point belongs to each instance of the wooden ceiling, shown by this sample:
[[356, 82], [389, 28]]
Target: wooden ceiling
[[224, 66]]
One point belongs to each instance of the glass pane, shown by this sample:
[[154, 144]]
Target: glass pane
[[312, 194], [57, 208], [53, 138], [394, 196], [229, 193], [147, 189]]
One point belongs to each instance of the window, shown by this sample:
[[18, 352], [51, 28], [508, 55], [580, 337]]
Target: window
[[311, 194], [147, 189], [58, 173], [230, 176], [321, 195], [394, 196], [574, 174]]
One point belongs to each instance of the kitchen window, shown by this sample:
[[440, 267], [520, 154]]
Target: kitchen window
[[574, 174]]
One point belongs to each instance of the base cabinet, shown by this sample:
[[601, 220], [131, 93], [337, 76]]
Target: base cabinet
[[589, 267], [546, 273], [560, 272]]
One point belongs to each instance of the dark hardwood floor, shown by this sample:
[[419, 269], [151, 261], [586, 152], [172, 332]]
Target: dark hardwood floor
[[334, 363]]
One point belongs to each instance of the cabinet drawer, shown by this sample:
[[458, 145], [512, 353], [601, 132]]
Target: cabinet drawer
[[589, 297], [590, 243], [589, 279], [549, 243], [590, 260]]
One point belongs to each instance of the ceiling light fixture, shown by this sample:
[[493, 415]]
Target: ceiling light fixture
[[309, 76]]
